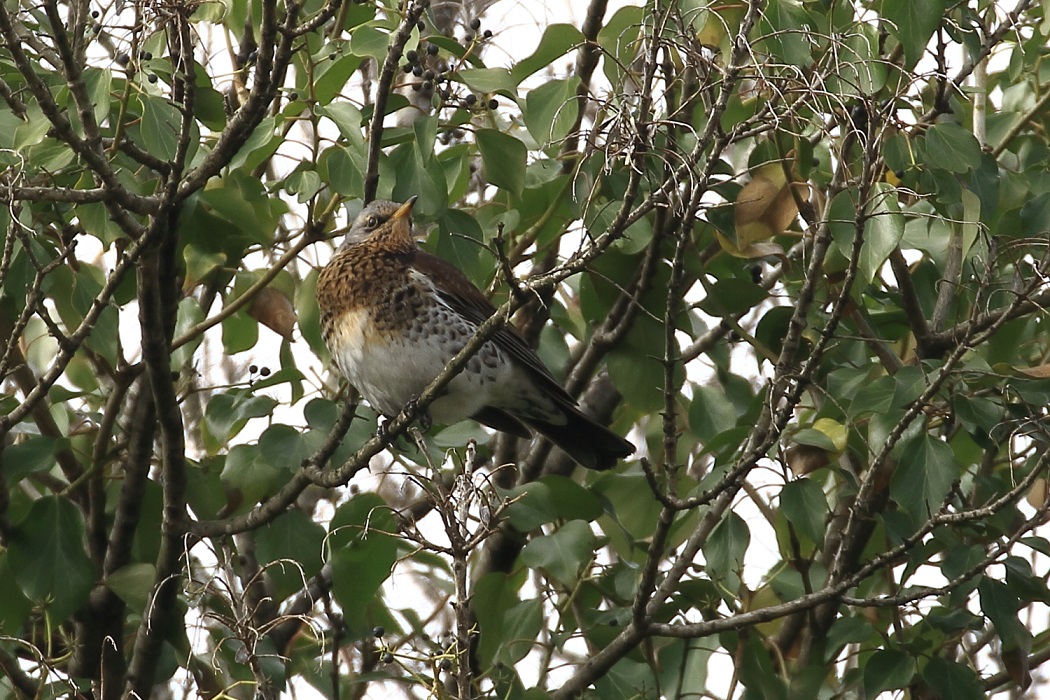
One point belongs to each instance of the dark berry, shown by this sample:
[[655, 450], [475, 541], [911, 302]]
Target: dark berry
[[475, 24], [468, 38], [146, 56], [417, 86], [470, 99], [123, 59], [432, 49], [252, 369], [378, 631], [406, 68], [487, 34], [94, 13], [446, 95], [417, 71], [899, 174], [292, 96], [493, 104], [152, 77], [264, 372], [388, 658], [427, 85], [428, 74], [412, 56], [446, 664]]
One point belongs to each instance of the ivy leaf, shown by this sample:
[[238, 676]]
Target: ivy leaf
[[557, 40], [953, 148], [887, 669], [924, 475], [913, 22], [489, 80], [952, 680], [47, 557], [562, 553], [362, 551], [724, 550], [806, 507], [503, 158], [551, 110]]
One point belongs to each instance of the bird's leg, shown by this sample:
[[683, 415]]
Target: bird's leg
[[422, 414], [382, 427]]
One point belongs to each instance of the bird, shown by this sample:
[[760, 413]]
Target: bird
[[393, 315]]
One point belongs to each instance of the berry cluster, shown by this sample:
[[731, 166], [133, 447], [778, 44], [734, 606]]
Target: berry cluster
[[124, 60], [432, 71]]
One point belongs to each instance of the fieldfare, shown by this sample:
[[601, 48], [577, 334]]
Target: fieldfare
[[393, 315]]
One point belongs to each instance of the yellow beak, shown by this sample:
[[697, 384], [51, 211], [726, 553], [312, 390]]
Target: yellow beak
[[405, 210]]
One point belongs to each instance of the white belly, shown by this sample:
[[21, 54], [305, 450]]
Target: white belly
[[390, 371]]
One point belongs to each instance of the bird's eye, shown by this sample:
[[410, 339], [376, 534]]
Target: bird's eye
[[372, 221]]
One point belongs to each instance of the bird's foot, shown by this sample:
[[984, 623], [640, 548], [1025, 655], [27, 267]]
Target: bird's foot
[[422, 414], [383, 429]]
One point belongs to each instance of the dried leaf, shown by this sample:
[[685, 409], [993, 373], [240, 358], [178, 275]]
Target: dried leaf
[[274, 310]]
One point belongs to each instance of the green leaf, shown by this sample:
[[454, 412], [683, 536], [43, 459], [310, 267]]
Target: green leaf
[[562, 553], [247, 477], [784, 26], [160, 126], [1000, 605], [882, 232], [290, 548], [332, 75], [189, 315], [846, 630], [887, 669], [953, 148], [521, 625], [548, 499], [806, 507], [14, 607], [503, 158], [362, 549], [724, 550], [486, 80], [949, 679], [47, 557], [861, 71], [557, 40], [551, 110], [732, 296], [924, 476], [228, 412], [368, 42], [133, 583], [32, 455], [240, 332], [618, 39], [628, 679], [913, 22], [494, 594]]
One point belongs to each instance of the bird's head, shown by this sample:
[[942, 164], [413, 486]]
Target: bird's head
[[382, 219]]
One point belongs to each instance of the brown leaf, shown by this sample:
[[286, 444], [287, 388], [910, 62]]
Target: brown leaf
[[1016, 663], [274, 310], [765, 207], [803, 459], [1037, 372]]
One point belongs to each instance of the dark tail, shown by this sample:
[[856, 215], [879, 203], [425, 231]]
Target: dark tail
[[591, 444]]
